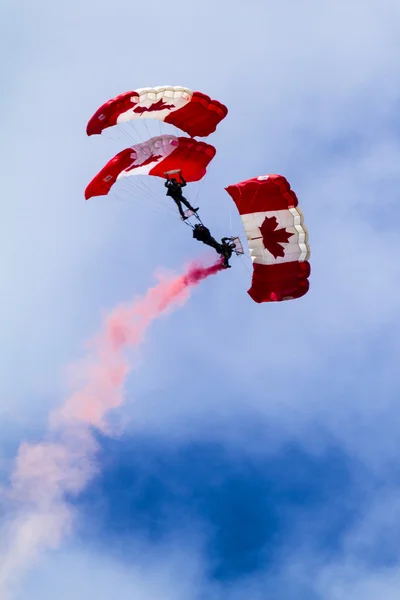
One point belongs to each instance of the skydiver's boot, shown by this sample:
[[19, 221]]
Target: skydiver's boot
[[226, 254], [188, 205]]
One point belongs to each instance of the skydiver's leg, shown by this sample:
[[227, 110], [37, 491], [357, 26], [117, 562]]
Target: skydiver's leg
[[227, 256], [179, 205], [188, 205], [226, 252], [226, 261], [216, 245]]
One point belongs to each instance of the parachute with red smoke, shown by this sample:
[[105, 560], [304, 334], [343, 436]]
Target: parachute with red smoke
[[273, 222]]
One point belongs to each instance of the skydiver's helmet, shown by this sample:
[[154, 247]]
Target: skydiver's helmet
[[173, 180]]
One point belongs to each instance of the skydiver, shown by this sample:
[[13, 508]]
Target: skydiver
[[225, 248], [175, 191], [202, 234]]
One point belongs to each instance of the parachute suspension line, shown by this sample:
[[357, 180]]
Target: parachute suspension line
[[147, 127], [136, 195], [134, 184], [131, 199], [188, 224], [108, 134], [141, 187], [245, 264], [145, 186], [138, 199], [142, 136], [127, 134], [120, 134], [200, 221], [128, 131], [134, 202], [150, 193], [200, 188], [136, 187], [159, 127]]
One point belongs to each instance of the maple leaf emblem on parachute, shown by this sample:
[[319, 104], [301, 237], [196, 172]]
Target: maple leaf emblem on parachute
[[159, 105], [150, 159], [273, 238]]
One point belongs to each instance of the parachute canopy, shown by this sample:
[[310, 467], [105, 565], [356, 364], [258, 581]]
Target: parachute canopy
[[192, 112], [277, 237], [157, 157]]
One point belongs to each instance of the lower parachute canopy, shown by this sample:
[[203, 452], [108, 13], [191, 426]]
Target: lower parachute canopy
[[156, 157], [277, 237]]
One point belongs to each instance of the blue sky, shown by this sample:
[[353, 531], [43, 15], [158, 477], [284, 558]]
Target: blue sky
[[256, 455]]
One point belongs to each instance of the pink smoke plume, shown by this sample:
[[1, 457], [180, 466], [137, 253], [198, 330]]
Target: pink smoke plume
[[47, 473]]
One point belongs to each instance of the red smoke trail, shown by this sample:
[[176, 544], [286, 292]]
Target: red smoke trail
[[106, 372], [47, 472]]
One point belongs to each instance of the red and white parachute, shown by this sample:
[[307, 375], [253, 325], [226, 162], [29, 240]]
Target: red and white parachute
[[273, 222], [194, 113], [277, 237], [156, 157]]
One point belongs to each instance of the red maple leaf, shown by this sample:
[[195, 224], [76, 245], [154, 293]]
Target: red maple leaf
[[273, 237], [148, 160], [159, 105]]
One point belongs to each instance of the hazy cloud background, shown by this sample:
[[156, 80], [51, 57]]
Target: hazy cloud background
[[257, 454]]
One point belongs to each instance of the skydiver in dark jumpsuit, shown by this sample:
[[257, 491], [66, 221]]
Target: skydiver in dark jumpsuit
[[175, 191], [225, 248]]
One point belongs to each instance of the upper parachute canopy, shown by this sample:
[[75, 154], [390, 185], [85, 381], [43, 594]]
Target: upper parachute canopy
[[192, 112], [156, 157], [277, 237]]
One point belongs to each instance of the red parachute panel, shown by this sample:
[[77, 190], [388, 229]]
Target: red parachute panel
[[259, 195], [108, 113], [199, 117], [191, 156], [274, 283]]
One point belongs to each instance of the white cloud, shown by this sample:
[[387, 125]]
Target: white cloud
[[312, 90]]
